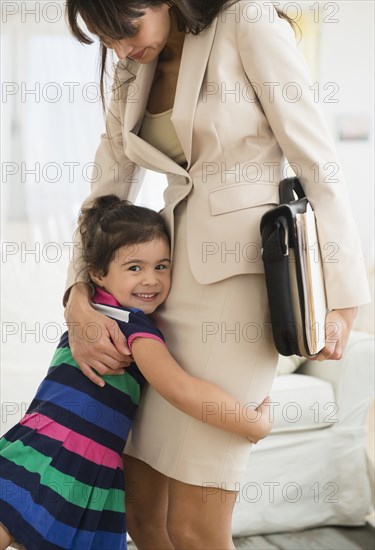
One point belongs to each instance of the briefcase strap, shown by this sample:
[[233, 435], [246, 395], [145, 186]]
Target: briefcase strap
[[287, 188]]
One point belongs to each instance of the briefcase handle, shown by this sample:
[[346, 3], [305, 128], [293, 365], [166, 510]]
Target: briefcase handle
[[286, 188]]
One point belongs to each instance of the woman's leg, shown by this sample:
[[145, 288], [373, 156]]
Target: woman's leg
[[5, 538], [200, 518], [146, 496]]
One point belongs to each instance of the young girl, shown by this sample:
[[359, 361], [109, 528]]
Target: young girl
[[62, 484]]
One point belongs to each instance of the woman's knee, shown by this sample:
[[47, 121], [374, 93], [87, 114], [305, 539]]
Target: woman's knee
[[184, 535], [190, 536], [194, 522], [189, 530], [145, 511]]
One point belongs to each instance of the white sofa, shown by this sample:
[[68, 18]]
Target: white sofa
[[313, 468]]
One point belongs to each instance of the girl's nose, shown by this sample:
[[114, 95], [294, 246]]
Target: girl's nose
[[121, 49], [150, 278]]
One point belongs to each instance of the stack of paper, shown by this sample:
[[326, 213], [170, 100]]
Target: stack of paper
[[312, 280]]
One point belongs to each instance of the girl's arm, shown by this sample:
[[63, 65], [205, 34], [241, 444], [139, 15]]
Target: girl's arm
[[198, 398]]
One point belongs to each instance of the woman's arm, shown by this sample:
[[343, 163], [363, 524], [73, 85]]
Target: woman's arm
[[199, 398], [275, 66]]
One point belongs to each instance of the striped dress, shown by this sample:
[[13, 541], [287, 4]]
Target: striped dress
[[61, 470]]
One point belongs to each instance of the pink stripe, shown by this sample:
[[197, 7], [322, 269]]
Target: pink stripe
[[103, 297], [144, 335], [73, 441]]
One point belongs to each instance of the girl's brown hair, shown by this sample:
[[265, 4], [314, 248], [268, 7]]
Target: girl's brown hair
[[111, 223]]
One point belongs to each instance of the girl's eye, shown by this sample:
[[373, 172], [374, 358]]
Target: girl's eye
[[160, 267], [134, 268]]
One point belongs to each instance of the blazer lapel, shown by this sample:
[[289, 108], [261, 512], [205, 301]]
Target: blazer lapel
[[194, 61], [195, 54], [137, 99], [136, 149]]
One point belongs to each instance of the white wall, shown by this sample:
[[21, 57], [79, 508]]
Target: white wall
[[346, 58]]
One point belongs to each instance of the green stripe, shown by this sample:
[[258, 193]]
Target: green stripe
[[124, 383], [63, 355], [73, 491]]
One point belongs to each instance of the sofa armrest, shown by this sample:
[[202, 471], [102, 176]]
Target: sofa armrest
[[352, 377]]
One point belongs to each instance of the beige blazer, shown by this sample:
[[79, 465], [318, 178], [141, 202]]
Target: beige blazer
[[243, 105]]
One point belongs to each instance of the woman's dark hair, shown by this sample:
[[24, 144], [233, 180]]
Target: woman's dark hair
[[110, 223], [114, 19]]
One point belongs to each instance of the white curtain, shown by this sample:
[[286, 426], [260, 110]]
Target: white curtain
[[52, 115]]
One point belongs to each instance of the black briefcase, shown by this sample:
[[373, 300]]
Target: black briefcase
[[294, 274]]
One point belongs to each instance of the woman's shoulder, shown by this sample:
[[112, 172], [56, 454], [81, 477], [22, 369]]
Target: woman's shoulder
[[257, 27], [257, 15]]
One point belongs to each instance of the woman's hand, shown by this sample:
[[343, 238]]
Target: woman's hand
[[263, 424], [96, 342], [338, 325]]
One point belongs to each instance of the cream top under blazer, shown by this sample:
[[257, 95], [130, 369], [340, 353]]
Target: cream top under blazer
[[242, 106]]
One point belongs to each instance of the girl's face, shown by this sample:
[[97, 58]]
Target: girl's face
[[139, 276], [151, 37]]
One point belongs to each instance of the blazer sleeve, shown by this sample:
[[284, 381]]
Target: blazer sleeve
[[278, 72], [115, 173]]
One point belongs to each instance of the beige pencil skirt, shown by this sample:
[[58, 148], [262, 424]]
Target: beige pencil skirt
[[219, 332]]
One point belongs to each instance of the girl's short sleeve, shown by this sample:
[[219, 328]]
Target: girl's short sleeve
[[139, 326]]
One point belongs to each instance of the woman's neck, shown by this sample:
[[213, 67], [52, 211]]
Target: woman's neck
[[173, 49]]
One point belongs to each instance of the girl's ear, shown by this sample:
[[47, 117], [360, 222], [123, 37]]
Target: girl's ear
[[96, 278]]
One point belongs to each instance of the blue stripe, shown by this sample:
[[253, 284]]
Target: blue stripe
[[64, 340], [56, 532], [84, 406], [53, 502], [109, 395]]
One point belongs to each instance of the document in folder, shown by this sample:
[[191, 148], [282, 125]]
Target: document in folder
[[312, 280]]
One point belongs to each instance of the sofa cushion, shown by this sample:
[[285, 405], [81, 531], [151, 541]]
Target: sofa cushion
[[302, 402], [287, 365]]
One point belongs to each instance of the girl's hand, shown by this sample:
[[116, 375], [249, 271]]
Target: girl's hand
[[263, 425], [338, 325], [96, 342]]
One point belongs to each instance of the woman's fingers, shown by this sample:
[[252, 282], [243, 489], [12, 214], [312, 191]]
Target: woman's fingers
[[91, 375], [337, 330], [117, 338], [95, 352], [101, 356], [96, 368]]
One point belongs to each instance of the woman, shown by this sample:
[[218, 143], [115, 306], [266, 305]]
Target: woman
[[215, 95]]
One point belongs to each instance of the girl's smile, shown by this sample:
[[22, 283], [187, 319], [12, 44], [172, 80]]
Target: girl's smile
[[139, 276]]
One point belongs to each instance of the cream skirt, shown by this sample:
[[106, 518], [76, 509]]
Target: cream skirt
[[219, 332]]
